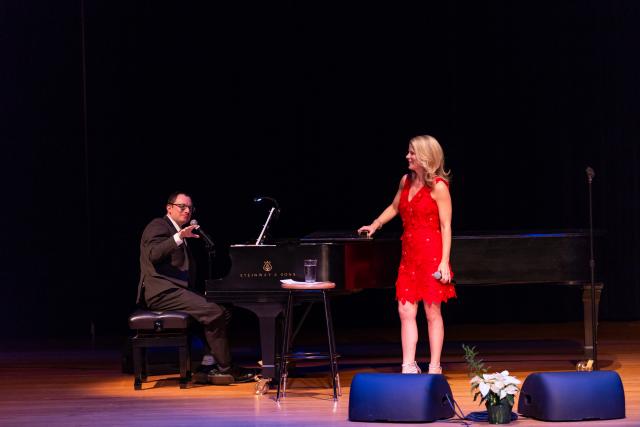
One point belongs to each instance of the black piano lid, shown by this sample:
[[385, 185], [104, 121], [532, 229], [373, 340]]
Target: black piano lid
[[352, 235], [334, 236], [344, 236], [525, 234], [518, 235]]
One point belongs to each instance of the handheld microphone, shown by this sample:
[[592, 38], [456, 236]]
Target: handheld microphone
[[200, 232], [437, 275]]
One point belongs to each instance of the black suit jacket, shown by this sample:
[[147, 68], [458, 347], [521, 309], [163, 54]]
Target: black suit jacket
[[163, 264]]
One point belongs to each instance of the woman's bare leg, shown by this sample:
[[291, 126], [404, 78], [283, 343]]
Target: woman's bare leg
[[436, 335], [408, 331]]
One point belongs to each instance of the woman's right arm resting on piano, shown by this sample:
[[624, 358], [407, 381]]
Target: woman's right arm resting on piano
[[387, 215]]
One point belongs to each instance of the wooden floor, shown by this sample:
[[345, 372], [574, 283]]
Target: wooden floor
[[76, 384]]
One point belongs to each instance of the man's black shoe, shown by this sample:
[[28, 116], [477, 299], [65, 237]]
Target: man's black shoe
[[216, 377], [201, 375], [240, 374]]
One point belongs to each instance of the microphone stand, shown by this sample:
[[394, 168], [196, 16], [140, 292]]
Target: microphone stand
[[211, 254], [592, 265], [210, 247]]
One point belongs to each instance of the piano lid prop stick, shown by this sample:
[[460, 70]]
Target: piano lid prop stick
[[264, 227]]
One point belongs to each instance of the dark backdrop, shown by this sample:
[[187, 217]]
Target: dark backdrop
[[109, 106]]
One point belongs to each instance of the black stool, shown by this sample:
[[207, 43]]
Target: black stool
[[307, 291], [160, 329]]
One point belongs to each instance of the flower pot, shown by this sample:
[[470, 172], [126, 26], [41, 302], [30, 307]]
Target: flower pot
[[500, 413]]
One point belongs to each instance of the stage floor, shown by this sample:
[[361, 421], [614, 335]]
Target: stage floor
[[81, 384]]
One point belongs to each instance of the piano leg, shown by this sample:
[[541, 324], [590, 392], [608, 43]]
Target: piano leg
[[589, 334], [267, 313]]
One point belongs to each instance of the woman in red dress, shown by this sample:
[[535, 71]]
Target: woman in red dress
[[424, 204]]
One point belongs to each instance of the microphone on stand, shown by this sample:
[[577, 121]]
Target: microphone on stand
[[200, 232]]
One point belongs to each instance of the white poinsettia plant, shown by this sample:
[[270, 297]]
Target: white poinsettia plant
[[492, 388], [495, 387]]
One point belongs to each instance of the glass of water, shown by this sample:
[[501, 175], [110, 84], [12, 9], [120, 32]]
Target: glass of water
[[310, 267]]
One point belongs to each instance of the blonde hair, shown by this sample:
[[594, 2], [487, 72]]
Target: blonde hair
[[430, 157]]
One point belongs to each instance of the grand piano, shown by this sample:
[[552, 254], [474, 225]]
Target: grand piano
[[355, 263]]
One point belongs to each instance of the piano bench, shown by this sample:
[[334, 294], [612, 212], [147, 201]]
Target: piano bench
[[160, 329], [309, 292]]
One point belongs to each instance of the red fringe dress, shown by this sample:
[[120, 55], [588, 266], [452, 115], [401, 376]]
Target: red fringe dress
[[421, 249]]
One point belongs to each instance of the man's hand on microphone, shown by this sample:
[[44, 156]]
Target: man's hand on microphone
[[187, 232]]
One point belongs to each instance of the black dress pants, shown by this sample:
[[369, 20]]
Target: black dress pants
[[214, 318]]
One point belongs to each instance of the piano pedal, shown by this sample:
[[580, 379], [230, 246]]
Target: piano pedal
[[262, 385], [585, 365]]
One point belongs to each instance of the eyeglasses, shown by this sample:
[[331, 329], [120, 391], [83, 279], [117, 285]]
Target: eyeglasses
[[183, 207]]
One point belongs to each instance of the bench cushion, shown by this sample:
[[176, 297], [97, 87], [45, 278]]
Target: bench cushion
[[158, 320]]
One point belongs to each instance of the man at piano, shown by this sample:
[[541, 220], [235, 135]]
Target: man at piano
[[424, 204], [167, 276]]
